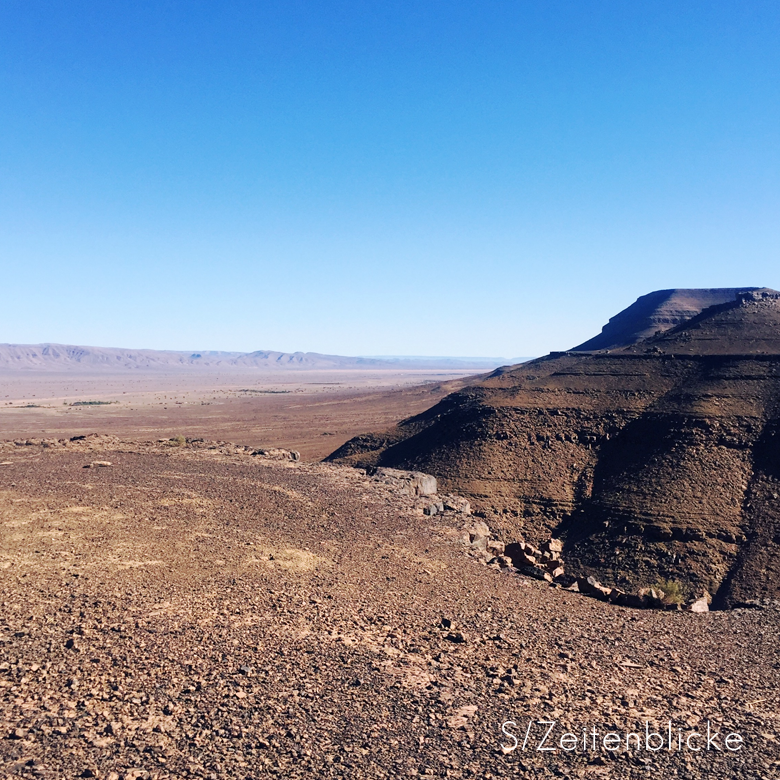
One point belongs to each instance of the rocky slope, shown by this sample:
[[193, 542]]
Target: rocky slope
[[657, 312], [203, 610], [655, 461]]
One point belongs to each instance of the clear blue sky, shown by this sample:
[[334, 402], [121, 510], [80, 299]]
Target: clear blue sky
[[441, 178]]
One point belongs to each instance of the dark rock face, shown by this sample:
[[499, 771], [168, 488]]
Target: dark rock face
[[657, 461], [658, 312]]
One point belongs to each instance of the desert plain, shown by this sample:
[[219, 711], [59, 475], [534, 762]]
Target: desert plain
[[312, 411], [181, 595]]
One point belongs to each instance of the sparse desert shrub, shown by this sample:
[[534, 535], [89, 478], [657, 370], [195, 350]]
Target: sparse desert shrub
[[674, 593], [179, 441]]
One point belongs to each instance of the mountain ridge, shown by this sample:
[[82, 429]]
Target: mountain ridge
[[658, 312], [68, 357], [653, 461]]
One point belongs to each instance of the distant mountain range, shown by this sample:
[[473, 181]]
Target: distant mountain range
[[66, 357]]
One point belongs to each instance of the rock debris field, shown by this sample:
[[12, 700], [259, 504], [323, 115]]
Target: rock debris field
[[190, 609]]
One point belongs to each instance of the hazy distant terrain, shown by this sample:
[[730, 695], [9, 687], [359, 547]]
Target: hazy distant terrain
[[67, 357], [309, 410]]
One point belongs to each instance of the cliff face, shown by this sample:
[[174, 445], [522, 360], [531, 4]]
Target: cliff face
[[658, 312], [657, 460]]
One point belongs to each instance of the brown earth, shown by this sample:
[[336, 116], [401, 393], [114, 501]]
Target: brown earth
[[657, 461], [310, 411], [197, 611]]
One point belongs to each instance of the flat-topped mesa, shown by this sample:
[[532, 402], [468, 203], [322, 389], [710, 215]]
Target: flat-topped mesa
[[759, 294], [655, 461], [749, 325], [659, 311]]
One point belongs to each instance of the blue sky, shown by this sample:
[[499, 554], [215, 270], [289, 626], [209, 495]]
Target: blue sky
[[442, 178]]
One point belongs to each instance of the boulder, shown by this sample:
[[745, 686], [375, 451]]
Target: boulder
[[457, 504], [633, 600], [653, 597], [615, 594], [415, 482], [592, 587], [423, 484], [479, 543], [553, 546], [519, 556], [700, 605], [536, 573], [479, 528]]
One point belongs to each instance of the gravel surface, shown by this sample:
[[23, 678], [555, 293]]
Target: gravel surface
[[199, 611]]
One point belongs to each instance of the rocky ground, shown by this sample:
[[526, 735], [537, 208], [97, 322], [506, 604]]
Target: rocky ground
[[656, 462], [200, 611]]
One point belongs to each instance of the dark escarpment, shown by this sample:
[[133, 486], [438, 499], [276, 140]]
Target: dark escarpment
[[658, 312], [655, 461]]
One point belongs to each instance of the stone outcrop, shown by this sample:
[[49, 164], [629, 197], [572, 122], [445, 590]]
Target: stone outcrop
[[658, 312], [655, 461], [415, 483], [545, 563]]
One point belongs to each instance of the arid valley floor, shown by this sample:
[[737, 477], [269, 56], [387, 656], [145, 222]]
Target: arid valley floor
[[192, 609], [311, 411]]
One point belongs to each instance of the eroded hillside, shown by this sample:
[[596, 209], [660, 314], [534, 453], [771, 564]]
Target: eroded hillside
[[653, 461]]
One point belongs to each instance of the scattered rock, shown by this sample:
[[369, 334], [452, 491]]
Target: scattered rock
[[417, 483], [701, 604], [536, 572], [592, 587], [553, 546], [457, 504], [462, 716]]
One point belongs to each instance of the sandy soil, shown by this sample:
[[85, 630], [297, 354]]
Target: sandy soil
[[205, 612], [313, 412]]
